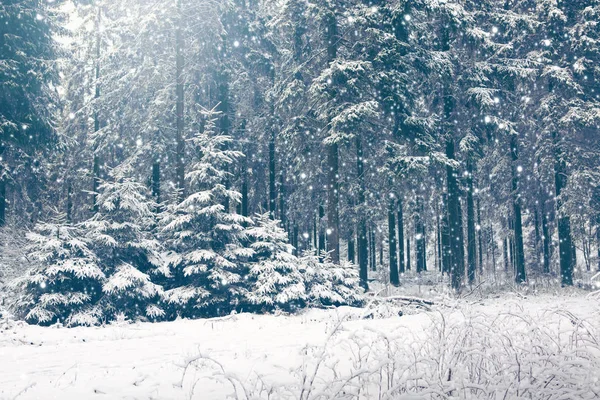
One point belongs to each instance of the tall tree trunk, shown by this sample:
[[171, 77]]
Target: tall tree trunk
[[96, 159], [479, 236], [295, 238], [438, 238], [471, 244], [2, 201], [400, 237], [282, 193], [363, 260], [564, 223], [180, 140], [351, 256], [333, 196], [272, 187], [598, 238], [446, 249], [224, 122], [321, 251], [419, 237], [394, 278], [519, 257], [505, 253], [373, 248], [545, 239], [408, 253], [538, 238], [457, 262]]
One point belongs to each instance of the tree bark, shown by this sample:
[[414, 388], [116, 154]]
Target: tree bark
[[96, 160], [394, 278], [519, 256], [408, 253], [400, 237], [457, 262], [333, 197], [471, 244], [179, 110], [272, 187], [363, 260], [351, 256], [419, 237], [479, 237], [545, 239], [564, 223]]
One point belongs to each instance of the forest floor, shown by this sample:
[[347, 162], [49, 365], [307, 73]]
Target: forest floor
[[321, 354]]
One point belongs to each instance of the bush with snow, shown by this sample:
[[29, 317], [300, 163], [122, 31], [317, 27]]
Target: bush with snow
[[66, 285], [328, 284]]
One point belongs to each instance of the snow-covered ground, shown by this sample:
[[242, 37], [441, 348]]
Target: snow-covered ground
[[511, 346]]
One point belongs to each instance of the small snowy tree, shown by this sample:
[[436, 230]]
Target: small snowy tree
[[206, 257], [328, 284], [67, 283], [119, 234], [274, 279]]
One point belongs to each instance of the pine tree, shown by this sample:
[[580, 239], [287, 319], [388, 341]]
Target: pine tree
[[121, 238], [274, 279], [207, 254], [67, 284]]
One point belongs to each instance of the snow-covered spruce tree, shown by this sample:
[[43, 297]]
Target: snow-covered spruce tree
[[67, 283], [329, 284], [207, 252], [119, 235], [274, 278]]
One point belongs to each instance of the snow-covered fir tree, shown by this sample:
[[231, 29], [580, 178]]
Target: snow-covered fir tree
[[67, 283], [206, 240], [274, 279], [329, 284], [120, 236]]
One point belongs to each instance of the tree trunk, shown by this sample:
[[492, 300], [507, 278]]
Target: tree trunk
[[408, 253], [479, 237], [282, 193], [272, 187], [394, 278], [96, 160], [400, 237], [519, 256], [564, 223], [598, 238], [419, 238], [333, 217], [2, 201], [505, 253], [363, 260], [471, 244], [438, 238], [446, 250], [321, 251], [351, 245], [457, 262], [545, 239], [180, 140], [156, 183]]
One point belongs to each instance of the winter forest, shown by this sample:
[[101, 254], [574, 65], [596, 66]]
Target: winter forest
[[300, 199]]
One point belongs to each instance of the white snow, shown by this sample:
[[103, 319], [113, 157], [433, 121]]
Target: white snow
[[279, 354]]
